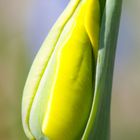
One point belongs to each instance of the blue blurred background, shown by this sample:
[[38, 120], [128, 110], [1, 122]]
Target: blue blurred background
[[24, 25]]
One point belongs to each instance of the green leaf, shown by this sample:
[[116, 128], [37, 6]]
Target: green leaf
[[98, 127], [102, 6]]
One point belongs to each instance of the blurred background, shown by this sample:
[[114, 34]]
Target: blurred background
[[24, 25]]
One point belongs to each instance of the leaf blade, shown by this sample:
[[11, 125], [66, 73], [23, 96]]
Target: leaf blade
[[98, 127]]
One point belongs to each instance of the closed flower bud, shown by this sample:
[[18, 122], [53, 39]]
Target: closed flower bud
[[59, 91]]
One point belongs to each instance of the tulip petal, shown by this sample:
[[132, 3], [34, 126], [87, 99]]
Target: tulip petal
[[40, 63]]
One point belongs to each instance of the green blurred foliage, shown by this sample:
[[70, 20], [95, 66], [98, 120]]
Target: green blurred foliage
[[13, 72]]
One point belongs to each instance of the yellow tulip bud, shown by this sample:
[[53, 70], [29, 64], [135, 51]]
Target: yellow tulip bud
[[58, 94]]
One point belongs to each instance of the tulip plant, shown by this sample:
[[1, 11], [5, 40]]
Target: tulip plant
[[67, 94]]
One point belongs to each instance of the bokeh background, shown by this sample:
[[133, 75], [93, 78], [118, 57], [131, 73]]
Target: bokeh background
[[24, 25]]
